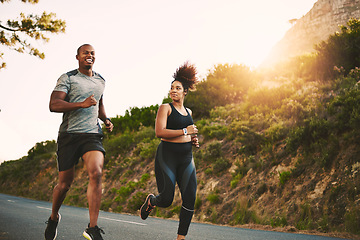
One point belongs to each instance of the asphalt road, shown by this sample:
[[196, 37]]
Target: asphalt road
[[24, 219]]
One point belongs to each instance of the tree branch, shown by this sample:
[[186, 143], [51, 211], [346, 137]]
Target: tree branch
[[9, 29]]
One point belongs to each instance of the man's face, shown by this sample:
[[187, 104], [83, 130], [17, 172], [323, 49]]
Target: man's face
[[86, 57]]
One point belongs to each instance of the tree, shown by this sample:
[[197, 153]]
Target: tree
[[15, 34], [224, 85], [340, 51]]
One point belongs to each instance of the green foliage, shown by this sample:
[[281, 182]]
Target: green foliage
[[119, 144], [125, 191], [213, 154], [136, 201], [148, 148], [352, 220], [15, 34], [224, 85], [250, 139], [284, 177], [278, 221], [235, 180], [214, 197], [42, 148], [215, 131], [346, 109], [134, 119], [243, 215], [341, 51], [198, 203], [213, 215], [305, 219]]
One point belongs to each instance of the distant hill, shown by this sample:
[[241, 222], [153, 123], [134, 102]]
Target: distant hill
[[321, 21]]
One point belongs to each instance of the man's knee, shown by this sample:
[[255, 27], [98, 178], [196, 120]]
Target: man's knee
[[64, 186], [95, 175]]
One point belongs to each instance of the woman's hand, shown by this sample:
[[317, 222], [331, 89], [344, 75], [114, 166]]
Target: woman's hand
[[191, 129], [195, 140]]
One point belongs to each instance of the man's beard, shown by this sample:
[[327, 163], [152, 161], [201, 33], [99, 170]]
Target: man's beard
[[88, 67]]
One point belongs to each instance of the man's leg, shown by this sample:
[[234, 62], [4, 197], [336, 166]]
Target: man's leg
[[59, 193], [94, 161]]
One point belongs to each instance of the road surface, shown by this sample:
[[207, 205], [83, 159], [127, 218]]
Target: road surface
[[24, 219]]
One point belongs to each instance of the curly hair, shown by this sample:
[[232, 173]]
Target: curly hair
[[186, 74]]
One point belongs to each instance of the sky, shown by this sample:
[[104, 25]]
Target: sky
[[139, 44]]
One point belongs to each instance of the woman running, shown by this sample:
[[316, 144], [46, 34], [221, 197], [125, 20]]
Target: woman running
[[174, 160]]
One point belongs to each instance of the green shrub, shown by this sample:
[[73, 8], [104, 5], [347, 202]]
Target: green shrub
[[148, 149], [278, 221], [235, 180], [198, 202], [220, 165], [284, 177], [136, 201], [242, 214], [352, 220], [215, 131], [214, 216], [214, 197], [305, 218]]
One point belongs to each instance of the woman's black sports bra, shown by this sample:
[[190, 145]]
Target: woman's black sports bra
[[178, 121]]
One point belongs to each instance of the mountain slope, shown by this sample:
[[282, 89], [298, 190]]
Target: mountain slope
[[322, 20]]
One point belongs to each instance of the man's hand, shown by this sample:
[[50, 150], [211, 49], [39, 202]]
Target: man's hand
[[109, 126], [90, 101]]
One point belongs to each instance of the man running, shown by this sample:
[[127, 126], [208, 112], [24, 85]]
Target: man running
[[78, 94]]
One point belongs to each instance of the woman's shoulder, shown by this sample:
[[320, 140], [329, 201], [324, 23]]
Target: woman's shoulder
[[165, 107]]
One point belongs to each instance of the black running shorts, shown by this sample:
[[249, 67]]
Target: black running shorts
[[72, 146]]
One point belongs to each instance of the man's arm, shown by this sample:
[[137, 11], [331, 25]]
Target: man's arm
[[58, 103], [102, 115]]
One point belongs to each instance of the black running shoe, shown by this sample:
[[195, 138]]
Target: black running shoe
[[51, 228], [93, 233], [146, 208]]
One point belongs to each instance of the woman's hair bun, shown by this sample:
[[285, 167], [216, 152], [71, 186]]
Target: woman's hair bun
[[186, 74]]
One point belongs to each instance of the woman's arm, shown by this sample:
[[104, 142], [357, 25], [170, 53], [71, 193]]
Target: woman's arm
[[160, 125]]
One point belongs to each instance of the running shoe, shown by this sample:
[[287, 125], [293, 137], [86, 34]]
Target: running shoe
[[93, 233], [51, 228], [146, 208]]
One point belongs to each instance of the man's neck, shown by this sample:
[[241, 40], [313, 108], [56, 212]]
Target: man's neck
[[87, 72]]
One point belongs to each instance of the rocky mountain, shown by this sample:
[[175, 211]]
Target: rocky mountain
[[321, 21]]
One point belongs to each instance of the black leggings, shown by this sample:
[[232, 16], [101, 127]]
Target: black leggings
[[174, 163]]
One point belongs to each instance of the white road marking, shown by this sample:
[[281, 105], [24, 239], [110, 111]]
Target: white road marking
[[111, 219], [10, 200], [44, 208], [117, 220]]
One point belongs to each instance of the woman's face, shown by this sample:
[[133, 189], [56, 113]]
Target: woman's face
[[177, 91]]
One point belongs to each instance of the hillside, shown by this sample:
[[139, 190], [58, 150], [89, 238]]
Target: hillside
[[322, 20], [285, 159]]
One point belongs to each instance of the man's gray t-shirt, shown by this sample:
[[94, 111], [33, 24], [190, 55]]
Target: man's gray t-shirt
[[78, 87]]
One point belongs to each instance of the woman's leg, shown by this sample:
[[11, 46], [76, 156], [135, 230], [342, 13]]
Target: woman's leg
[[188, 184], [165, 172]]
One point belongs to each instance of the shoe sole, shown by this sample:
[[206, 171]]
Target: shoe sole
[[56, 227], [87, 236], [145, 203]]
